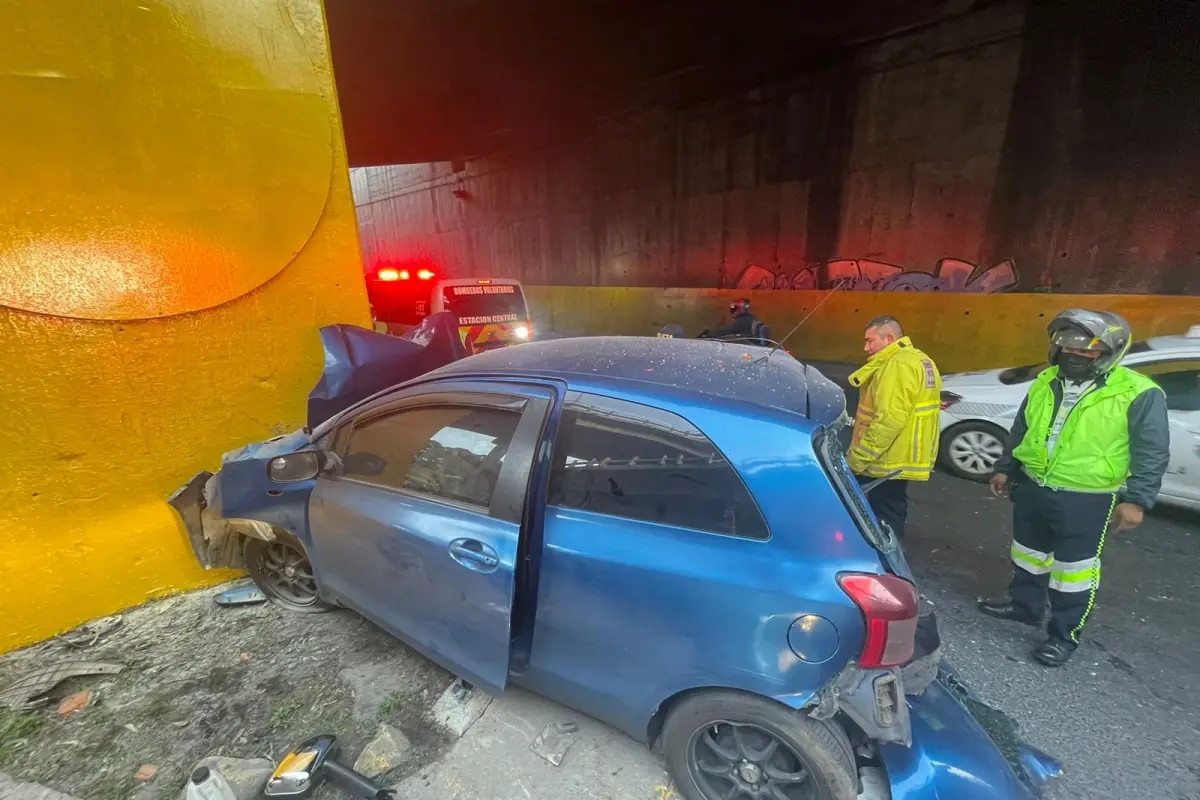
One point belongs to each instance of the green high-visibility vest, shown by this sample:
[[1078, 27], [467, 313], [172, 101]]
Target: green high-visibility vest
[[1092, 451]]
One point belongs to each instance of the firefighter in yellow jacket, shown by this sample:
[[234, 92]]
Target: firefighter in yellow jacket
[[896, 426]]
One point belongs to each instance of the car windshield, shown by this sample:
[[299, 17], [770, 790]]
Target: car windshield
[[485, 304]]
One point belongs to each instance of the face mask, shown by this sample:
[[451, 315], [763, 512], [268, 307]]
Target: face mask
[[1075, 367]]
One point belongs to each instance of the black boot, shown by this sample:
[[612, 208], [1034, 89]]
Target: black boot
[[1005, 608], [1054, 652]]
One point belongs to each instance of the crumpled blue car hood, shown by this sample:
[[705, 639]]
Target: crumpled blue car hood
[[360, 363]]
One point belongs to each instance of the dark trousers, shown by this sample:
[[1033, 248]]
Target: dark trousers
[[889, 501], [1057, 541]]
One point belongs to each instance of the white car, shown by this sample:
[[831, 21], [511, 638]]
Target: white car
[[978, 410]]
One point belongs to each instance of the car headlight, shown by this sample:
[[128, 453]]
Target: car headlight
[[522, 331]]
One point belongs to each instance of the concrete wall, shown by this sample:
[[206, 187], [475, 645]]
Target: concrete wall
[[1048, 149], [179, 225], [960, 331]]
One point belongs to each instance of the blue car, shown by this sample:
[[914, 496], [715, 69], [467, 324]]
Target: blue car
[[660, 533]]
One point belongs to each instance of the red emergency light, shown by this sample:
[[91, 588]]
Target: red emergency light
[[425, 274], [388, 275]]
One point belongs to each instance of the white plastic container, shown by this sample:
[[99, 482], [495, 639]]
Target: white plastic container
[[207, 784]]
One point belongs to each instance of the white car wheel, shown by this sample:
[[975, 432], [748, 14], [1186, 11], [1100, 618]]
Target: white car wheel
[[971, 450]]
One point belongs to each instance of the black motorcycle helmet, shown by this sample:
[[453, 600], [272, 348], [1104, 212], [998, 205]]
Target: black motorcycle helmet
[[739, 307], [1100, 332]]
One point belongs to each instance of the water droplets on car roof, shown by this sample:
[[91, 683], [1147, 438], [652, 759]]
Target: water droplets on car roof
[[731, 371]]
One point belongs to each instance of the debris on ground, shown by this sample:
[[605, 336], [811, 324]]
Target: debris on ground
[[197, 681], [146, 772], [87, 635], [75, 702], [459, 707], [387, 751], [555, 740], [245, 776], [240, 596], [27, 691]]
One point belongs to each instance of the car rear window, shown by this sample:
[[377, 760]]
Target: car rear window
[[633, 461], [831, 444]]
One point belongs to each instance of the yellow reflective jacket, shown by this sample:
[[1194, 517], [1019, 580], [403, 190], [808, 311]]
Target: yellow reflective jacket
[[896, 426]]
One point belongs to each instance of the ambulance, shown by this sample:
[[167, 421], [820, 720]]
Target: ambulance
[[491, 312]]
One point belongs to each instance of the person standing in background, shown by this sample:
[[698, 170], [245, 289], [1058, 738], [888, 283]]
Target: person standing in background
[[896, 425]]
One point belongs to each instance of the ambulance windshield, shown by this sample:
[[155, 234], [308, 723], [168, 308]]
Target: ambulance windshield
[[486, 304]]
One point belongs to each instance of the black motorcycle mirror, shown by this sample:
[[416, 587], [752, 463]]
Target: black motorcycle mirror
[[313, 762]]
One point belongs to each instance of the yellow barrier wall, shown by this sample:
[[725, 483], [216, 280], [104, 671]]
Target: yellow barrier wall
[[178, 225], [961, 331]]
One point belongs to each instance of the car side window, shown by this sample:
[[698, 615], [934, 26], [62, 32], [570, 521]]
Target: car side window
[[452, 452], [1180, 381], [628, 460]]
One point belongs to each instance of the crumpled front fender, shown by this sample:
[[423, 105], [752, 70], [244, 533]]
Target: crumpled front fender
[[216, 540]]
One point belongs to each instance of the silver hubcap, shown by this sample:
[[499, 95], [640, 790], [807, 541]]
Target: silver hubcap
[[975, 451], [751, 773]]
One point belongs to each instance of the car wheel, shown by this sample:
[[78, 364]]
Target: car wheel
[[282, 570], [729, 744], [970, 449]]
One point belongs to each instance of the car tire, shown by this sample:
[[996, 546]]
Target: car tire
[[281, 569], [971, 443], [816, 749]]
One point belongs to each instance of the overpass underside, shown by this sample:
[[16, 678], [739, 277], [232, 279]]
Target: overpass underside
[[1041, 149]]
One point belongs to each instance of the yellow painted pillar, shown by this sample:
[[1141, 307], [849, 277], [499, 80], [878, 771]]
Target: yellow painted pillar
[[176, 226]]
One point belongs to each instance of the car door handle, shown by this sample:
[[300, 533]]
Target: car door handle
[[474, 554]]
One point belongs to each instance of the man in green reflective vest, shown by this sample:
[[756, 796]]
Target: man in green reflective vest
[[1087, 454]]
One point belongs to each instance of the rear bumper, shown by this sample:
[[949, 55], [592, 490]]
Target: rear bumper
[[952, 756]]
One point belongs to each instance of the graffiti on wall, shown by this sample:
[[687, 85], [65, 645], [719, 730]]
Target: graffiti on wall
[[865, 275]]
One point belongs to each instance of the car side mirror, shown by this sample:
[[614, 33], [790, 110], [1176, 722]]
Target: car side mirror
[[302, 466]]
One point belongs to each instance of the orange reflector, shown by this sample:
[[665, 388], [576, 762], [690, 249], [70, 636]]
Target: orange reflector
[[484, 281]]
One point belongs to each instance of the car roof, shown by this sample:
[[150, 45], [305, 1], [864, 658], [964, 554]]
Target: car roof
[[653, 366], [1188, 341], [476, 281]]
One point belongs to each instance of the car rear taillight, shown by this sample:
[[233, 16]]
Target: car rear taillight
[[949, 399], [889, 607]]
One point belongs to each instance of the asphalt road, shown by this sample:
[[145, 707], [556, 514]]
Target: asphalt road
[[1124, 714]]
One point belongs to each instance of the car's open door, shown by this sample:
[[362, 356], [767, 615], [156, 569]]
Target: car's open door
[[420, 531]]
